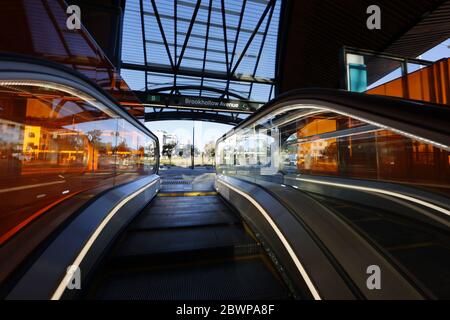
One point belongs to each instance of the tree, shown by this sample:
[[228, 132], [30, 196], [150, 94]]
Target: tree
[[94, 136], [167, 150], [210, 150]]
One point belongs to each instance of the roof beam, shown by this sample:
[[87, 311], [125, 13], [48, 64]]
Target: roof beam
[[216, 25], [194, 87], [191, 72], [263, 41], [186, 39], [225, 42], [192, 47], [187, 115], [241, 16], [235, 43], [141, 8], [206, 47], [188, 4], [175, 36], [270, 4], [163, 35]]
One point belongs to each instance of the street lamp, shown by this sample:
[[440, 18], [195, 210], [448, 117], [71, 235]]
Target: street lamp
[[192, 146]]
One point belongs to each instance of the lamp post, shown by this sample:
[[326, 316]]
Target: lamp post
[[192, 146]]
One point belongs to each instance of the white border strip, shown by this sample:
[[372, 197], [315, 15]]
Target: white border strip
[[65, 281], [376, 190], [286, 244]]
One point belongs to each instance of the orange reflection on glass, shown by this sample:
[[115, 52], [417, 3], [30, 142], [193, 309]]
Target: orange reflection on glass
[[56, 142], [40, 31], [355, 150]]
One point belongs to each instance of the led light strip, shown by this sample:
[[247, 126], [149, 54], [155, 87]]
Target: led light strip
[[297, 117], [331, 109], [68, 277], [401, 132], [376, 190], [280, 235], [55, 86], [353, 134]]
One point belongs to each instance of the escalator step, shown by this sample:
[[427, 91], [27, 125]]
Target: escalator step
[[187, 248], [187, 209], [242, 279], [152, 221], [183, 201], [153, 242]]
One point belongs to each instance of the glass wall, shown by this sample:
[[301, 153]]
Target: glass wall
[[421, 83], [56, 142], [313, 141], [391, 189]]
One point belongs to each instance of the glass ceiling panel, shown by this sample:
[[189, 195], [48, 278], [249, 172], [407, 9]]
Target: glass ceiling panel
[[228, 45]]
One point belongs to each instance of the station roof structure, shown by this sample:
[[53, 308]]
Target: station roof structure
[[313, 33], [235, 55], [215, 49]]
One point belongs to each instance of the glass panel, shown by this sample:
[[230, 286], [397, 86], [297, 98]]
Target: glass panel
[[326, 143], [360, 171], [133, 153], [56, 142]]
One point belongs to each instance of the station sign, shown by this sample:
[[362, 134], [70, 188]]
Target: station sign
[[200, 103]]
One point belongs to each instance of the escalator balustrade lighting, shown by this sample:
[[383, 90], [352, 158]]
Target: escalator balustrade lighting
[[66, 280], [59, 87], [382, 191], [280, 235]]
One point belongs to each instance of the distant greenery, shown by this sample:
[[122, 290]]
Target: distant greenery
[[167, 150]]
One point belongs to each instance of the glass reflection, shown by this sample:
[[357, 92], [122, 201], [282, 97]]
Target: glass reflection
[[56, 142], [329, 144], [360, 173]]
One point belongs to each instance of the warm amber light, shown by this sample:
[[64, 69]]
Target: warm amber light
[[55, 142]]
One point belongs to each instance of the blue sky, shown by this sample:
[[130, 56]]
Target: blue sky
[[442, 50]]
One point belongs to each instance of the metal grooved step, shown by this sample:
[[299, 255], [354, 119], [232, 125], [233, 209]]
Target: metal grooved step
[[187, 248], [165, 181], [247, 279]]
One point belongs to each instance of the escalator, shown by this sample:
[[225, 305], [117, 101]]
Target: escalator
[[424, 249], [187, 247], [313, 197]]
